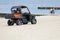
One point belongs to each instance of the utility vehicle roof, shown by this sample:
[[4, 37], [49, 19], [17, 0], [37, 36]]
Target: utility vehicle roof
[[19, 7]]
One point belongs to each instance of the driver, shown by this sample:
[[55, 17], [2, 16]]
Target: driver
[[18, 11]]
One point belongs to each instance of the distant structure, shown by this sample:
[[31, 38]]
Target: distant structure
[[52, 9]]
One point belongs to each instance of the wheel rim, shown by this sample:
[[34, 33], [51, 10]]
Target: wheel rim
[[33, 21], [19, 22]]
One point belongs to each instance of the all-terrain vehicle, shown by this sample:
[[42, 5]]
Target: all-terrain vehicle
[[20, 15]]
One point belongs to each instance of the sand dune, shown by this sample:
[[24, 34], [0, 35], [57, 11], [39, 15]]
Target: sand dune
[[47, 28]]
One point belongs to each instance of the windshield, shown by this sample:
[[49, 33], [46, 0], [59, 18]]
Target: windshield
[[24, 10], [15, 10]]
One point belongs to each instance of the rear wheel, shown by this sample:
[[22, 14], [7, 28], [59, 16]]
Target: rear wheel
[[33, 21], [19, 22], [10, 23]]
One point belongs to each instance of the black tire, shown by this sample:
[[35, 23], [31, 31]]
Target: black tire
[[19, 22], [33, 21], [25, 21], [10, 23]]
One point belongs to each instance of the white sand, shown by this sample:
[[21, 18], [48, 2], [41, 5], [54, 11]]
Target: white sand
[[47, 28]]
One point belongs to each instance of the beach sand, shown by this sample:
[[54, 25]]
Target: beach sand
[[47, 28]]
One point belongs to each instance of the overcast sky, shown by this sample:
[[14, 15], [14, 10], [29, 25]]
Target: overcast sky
[[5, 5]]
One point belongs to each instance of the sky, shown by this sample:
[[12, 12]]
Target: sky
[[5, 5]]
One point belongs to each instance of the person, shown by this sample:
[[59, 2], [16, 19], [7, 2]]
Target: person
[[52, 11], [18, 11]]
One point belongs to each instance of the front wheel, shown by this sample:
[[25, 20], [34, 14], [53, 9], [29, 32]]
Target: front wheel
[[25, 21], [33, 21], [10, 23]]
